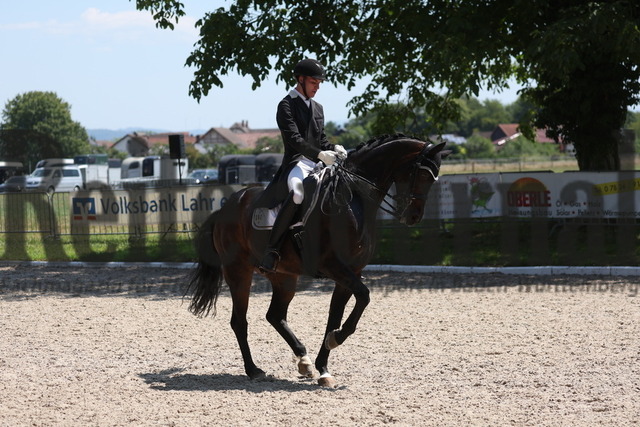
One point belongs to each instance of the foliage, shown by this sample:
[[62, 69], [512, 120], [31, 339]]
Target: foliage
[[478, 147], [633, 123], [352, 133], [577, 60], [159, 150], [216, 151], [38, 125], [523, 148], [269, 145], [117, 154], [483, 117], [585, 57]]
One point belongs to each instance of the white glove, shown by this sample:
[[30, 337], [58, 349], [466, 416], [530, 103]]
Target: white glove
[[340, 152], [327, 157]]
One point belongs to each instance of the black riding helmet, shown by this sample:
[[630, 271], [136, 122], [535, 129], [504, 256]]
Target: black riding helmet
[[309, 68]]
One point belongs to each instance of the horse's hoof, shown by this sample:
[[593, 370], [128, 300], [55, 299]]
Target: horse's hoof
[[328, 381], [305, 367], [257, 375], [330, 342]]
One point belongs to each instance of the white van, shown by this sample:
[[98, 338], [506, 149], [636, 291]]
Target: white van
[[51, 179]]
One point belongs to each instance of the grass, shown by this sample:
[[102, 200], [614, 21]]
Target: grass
[[100, 248], [460, 243], [510, 243]]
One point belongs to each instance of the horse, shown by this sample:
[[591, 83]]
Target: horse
[[336, 242]]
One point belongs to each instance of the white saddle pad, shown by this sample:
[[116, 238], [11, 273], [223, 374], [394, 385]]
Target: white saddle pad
[[263, 218]]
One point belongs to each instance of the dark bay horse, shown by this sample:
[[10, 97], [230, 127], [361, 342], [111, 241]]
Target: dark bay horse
[[339, 235]]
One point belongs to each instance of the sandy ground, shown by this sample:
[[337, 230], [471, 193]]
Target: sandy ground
[[116, 346]]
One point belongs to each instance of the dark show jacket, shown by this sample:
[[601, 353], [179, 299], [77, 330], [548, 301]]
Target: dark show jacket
[[302, 130]]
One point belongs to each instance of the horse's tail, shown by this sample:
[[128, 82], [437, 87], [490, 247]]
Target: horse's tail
[[206, 280]]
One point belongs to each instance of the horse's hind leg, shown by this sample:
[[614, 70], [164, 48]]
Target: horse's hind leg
[[284, 288], [238, 277]]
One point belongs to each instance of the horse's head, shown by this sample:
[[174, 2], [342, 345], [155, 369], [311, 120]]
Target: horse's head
[[414, 182]]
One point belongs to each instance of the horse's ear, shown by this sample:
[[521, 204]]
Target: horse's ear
[[438, 149]]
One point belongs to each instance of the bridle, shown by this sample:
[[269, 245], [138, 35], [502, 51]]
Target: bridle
[[421, 165]]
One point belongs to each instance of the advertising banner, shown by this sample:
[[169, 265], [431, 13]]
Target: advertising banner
[[149, 206], [536, 194], [572, 195], [598, 195], [465, 196]]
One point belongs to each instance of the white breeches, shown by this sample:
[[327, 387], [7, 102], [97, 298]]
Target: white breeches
[[300, 171]]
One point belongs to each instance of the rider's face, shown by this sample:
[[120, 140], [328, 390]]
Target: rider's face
[[310, 85]]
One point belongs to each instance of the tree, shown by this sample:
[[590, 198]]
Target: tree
[[577, 60], [585, 57], [38, 125], [481, 116], [523, 148], [478, 147]]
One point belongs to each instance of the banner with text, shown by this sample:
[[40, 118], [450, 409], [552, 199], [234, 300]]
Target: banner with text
[[149, 206], [536, 194]]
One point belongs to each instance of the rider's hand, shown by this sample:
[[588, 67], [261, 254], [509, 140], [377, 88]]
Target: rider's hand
[[327, 157], [340, 152]]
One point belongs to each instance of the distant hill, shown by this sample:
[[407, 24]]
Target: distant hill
[[115, 134]]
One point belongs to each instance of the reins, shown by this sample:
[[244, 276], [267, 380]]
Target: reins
[[386, 205], [390, 209]]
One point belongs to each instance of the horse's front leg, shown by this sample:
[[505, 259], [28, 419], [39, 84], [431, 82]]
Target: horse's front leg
[[284, 288], [334, 334]]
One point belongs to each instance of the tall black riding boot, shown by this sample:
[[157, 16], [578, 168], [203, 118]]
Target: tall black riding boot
[[278, 232]]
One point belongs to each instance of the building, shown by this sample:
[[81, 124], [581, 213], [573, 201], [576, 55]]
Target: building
[[506, 132], [239, 134], [139, 144]]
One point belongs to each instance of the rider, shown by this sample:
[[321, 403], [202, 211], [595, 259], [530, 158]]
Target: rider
[[301, 123]]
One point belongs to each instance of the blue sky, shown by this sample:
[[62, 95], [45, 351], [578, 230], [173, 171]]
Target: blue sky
[[116, 70]]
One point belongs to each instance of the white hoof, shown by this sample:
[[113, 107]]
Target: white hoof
[[305, 367], [330, 341], [326, 380]]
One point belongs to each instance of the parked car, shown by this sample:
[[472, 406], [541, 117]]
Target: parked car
[[201, 176], [63, 178], [15, 184]]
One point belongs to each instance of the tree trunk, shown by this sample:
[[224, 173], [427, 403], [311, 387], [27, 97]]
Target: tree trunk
[[602, 153]]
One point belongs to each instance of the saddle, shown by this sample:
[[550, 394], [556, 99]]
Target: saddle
[[319, 188], [265, 210]]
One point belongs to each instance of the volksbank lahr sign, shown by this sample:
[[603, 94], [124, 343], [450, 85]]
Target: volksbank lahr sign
[[149, 206]]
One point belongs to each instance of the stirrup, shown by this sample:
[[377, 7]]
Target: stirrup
[[270, 262]]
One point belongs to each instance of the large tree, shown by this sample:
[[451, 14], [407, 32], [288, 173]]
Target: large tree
[[37, 125], [577, 60]]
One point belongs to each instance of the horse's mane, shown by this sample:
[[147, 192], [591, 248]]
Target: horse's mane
[[379, 140]]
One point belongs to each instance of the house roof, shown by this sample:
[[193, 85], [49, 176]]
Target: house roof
[[507, 131], [541, 136], [150, 140], [239, 134], [251, 139], [163, 138]]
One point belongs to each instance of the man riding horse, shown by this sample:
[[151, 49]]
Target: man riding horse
[[301, 123]]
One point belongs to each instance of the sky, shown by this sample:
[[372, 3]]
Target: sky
[[117, 70]]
